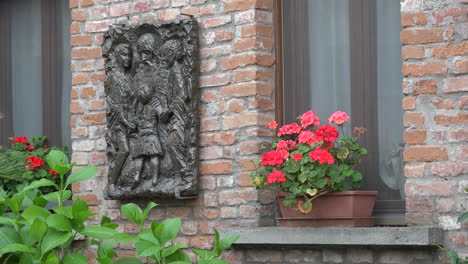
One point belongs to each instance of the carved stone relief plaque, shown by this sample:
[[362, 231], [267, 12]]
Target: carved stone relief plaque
[[152, 101]]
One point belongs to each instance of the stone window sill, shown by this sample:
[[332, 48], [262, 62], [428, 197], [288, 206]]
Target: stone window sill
[[364, 236]]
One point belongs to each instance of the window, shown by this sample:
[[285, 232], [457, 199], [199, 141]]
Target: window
[[35, 77], [345, 55]]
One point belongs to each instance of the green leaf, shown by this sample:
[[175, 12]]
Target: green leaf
[[59, 222], [124, 238], [128, 261], [178, 256], [81, 175], [55, 196], [38, 229], [227, 241], [212, 261], [15, 202], [148, 208], [133, 213], [54, 239], [106, 249], [204, 254], [170, 250], [462, 217], [8, 221], [52, 258], [10, 248], [107, 222], [146, 248], [8, 236], [99, 232], [75, 258], [39, 183], [58, 161], [80, 210], [64, 210], [167, 230], [34, 212]]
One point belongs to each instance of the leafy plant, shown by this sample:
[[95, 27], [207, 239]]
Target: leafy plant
[[39, 236], [310, 160], [24, 163]]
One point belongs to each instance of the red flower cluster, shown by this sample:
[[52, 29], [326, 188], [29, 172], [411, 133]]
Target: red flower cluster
[[23, 141], [322, 156], [290, 129], [307, 137], [326, 133], [309, 118], [286, 145], [272, 125], [33, 162], [53, 172], [276, 176], [273, 158], [297, 157]]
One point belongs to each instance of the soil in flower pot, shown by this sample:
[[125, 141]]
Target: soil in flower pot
[[349, 208]]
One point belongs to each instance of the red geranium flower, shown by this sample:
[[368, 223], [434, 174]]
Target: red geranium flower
[[297, 157], [20, 140], [276, 176], [287, 145], [53, 172], [273, 158], [34, 162], [309, 118], [272, 125], [307, 137], [322, 156], [326, 133], [293, 128]]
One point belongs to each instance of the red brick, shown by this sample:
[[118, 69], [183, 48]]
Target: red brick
[[215, 51], [214, 80], [460, 67], [80, 78], [194, 11], [419, 204], [253, 30], [458, 136], [425, 87], [463, 152], [443, 188], [408, 103], [87, 92], [75, 107], [244, 180], [98, 26], [206, 213], [99, 13], [73, 3], [98, 78], [415, 120], [237, 196], [415, 137], [80, 132], [76, 187], [450, 169], [236, 61], [208, 182], [201, 242], [421, 36], [463, 103], [248, 89], [142, 6], [455, 85], [207, 228], [412, 52], [236, 5], [254, 43], [248, 164], [261, 103], [94, 119], [445, 204], [161, 4], [422, 69], [90, 199], [235, 106], [246, 119], [74, 93], [443, 104], [85, 3], [223, 35], [413, 19], [98, 159], [446, 120], [248, 211], [222, 138], [252, 16], [81, 40], [216, 168], [75, 28], [252, 75], [252, 147], [119, 10], [78, 15], [211, 152], [207, 10], [210, 199], [414, 170], [450, 15], [422, 154], [209, 124], [443, 52], [182, 212], [208, 65], [97, 105], [216, 21]]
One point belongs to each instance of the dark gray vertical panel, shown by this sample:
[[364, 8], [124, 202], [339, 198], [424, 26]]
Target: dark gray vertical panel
[[52, 71], [6, 108], [295, 59]]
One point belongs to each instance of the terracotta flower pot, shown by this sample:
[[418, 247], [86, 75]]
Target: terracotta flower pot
[[348, 208]]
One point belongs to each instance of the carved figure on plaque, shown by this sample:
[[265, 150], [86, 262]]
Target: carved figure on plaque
[[152, 121]]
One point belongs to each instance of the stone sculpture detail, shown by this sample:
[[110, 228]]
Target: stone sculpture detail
[[152, 118]]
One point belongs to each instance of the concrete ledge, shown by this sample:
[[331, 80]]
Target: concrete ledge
[[369, 236]]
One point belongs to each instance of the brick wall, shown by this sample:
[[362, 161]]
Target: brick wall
[[237, 68], [236, 82], [435, 85]]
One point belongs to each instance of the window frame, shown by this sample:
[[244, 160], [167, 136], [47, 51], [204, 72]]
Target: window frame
[[389, 212]]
